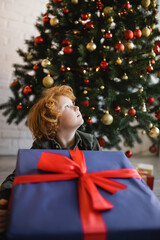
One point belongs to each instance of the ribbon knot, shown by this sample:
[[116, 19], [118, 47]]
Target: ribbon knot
[[91, 202]]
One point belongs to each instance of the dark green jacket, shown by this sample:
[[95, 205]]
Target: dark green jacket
[[84, 141]]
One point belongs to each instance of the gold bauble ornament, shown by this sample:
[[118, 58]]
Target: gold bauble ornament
[[154, 132], [153, 26], [140, 90], [154, 5], [102, 87], [146, 32], [124, 77], [119, 61], [145, 3], [107, 119], [110, 19], [152, 54], [143, 107], [74, 1], [29, 57], [103, 30], [54, 21], [48, 6], [143, 132], [108, 11], [91, 46], [129, 45], [45, 63], [85, 92], [48, 81]]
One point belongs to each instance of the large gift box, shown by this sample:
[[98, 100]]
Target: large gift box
[[81, 195]]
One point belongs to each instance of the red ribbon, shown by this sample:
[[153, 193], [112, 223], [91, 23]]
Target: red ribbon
[[91, 202]]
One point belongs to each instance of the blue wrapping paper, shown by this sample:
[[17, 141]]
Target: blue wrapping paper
[[50, 210]]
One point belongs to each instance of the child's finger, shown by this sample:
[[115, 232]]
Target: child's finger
[[3, 203], [3, 212]]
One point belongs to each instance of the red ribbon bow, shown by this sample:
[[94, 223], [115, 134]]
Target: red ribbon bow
[[91, 202]]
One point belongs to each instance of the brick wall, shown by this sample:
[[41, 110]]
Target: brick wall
[[17, 19]]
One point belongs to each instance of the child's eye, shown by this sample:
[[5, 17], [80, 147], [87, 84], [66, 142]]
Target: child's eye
[[67, 106]]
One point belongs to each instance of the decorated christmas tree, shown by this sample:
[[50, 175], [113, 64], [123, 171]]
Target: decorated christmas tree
[[108, 52]]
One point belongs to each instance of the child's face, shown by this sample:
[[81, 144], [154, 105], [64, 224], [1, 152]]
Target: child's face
[[71, 117]]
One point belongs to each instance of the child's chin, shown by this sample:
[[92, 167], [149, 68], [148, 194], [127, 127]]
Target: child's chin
[[82, 121]]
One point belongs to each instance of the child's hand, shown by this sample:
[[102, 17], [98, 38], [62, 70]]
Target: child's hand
[[3, 215]]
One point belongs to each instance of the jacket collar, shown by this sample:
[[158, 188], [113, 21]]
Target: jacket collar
[[78, 142]]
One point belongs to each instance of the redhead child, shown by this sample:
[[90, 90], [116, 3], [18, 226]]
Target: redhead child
[[53, 121]]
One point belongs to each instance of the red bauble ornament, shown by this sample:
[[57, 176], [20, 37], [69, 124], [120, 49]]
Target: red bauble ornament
[[137, 33], [127, 5], [65, 10], [118, 109], [131, 112], [45, 19], [84, 16], [128, 154], [101, 141], [86, 81], [150, 100], [35, 67], [104, 65], [19, 107], [57, 1], [66, 42], [108, 36], [157, 43], [99, 5], [38, 40], [119, 46], [85, 103], [89, 121], [157, 114], [124, 12], [128, 34], [89, 26], [62, 69], [15, 84], [156, 49], [27, 90], [149, 68], [67, 50], [153, 61], [153, 149]]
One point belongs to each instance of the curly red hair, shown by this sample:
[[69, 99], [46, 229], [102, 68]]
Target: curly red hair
[[44, 116]]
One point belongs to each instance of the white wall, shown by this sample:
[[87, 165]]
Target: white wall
[[17, 19]]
